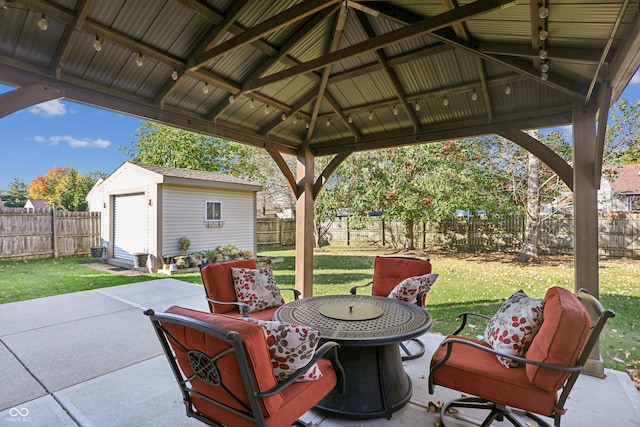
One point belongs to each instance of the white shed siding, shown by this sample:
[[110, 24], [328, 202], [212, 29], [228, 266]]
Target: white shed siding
[[183, 214]]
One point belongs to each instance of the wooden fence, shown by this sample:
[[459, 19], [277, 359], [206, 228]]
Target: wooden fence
[[618, 236], [45, 233], [275, 232]]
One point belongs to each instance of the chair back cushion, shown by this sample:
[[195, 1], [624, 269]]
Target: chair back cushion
[[560, 340], [228, 368], [390, 271], [218, 282]]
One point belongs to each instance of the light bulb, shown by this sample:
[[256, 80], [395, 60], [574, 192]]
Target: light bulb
[[97, 45], [295, 120], [417, 107], [543, 12], [474, 95], [543, 53], [370, 115], [395, 110], [266, 110], [283, 117], [350, 119], [543, 34], [544, 67], [328, 123], [252, 104], [544, 76], [205, 88], [174, 74], [139, 60], [306, 124], [445, 101], [42, 23], [507, 90]]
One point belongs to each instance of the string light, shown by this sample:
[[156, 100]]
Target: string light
[[205, 88], [507, 90], [232, 99], [543, 12], [543, 53], [350, 119], [306, 124], [266, 110], [283, 117], [370, 115], [42, 23], [395, 110], [542, 34], [139, 61], [544, 76], [174, 74], [445, 101], [252, 104], [417, 107], [544, 67], [474, 95], [295, 120], [97, 45], [328, 123]]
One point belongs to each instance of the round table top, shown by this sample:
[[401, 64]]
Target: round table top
[[399, 320]]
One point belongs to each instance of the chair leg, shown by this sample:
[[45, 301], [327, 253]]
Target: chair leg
[[496, 412], [408, 355]]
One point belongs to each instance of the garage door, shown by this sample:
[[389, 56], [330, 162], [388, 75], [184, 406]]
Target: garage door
[[129, 225]]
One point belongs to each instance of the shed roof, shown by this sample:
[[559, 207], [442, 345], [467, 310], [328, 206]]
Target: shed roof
[[194, 178]]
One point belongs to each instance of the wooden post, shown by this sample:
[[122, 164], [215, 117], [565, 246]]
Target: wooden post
[[304, 223], [585, 214], [383, 233], [54, 232]]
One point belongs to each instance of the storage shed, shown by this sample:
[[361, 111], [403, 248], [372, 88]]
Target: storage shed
[[148, 208]]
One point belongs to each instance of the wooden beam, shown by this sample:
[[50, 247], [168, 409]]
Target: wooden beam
[[27, 96], [283, 19], [328, 171], [428, 25], [70, 35], [284, 168]]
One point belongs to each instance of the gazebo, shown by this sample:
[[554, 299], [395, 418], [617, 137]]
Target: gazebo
[[329, 78]]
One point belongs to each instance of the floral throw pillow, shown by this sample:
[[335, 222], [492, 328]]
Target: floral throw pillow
[[409, 288], [256, 288], [290, 348], [513, 327]]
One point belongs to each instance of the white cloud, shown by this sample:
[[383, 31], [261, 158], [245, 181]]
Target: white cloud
[[636, 77], [49, 109], [73, 142]]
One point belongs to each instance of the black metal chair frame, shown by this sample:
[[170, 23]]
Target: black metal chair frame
[[205, 368], [408, 355], [499, 411]]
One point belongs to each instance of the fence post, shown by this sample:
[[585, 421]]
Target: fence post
[[54, 231], [348, 233], [383, 233]]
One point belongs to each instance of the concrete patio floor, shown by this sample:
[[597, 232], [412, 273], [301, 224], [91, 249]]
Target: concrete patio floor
[[91, 359]]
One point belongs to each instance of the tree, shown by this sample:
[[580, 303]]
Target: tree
[[65, 188], [418, 182], [622, 144], [16, 195], [529, 250]]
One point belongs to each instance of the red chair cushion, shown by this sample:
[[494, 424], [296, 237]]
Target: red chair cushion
[[389, 271], [218, 283], [560, 340], [479, 373], [280, 409]]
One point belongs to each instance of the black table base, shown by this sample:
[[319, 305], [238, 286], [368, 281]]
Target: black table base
[[376, 385]]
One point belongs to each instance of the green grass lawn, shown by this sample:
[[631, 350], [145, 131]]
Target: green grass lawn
[[466, 283]]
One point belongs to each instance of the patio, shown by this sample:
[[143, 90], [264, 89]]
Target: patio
[[91, 359]]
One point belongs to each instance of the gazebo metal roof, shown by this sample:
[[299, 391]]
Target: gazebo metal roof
[[335, 75]]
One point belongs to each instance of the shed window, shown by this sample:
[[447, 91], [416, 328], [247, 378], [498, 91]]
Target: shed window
[[213, 211]]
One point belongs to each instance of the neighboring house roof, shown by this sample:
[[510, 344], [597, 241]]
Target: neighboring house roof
[[36, 203], [625, 179], [188, 177]]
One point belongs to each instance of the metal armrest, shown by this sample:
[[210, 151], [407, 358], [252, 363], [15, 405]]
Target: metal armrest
[[464, 317], [328, 347], [242, 307], [296, 293], [352, 291]]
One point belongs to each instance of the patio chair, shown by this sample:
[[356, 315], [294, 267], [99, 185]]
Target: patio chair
[[388, 272], [571, 325], [223, 368], [220, 292]]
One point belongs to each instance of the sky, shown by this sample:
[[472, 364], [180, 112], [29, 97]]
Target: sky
[[88, 139]]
